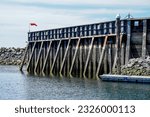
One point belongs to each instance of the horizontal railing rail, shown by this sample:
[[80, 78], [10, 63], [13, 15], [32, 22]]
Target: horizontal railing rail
[[77, 31]]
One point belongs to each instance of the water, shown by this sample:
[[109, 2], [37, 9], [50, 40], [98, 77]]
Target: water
[[16, 85]]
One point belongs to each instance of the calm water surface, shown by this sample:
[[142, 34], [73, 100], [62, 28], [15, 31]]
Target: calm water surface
[[15, 85]]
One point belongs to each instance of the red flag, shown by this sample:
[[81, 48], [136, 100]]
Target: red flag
[[33, 24]]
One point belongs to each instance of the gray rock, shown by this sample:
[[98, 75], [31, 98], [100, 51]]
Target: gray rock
[[137, 66], [11, 56]]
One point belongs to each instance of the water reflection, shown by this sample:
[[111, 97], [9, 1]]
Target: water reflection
[[17, 85]]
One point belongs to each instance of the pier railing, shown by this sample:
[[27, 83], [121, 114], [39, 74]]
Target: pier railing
[[77, 31]]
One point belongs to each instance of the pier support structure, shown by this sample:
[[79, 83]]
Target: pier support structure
[[87, 51], [144, 38]]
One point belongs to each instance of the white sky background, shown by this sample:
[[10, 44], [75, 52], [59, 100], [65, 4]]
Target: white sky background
[[15, 15]]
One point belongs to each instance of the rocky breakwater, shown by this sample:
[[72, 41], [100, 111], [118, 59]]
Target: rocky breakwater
[[11, 56], [137, 66]]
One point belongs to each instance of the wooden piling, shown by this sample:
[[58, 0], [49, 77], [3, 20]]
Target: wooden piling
[[88, 57], [118, 47], [94, 61], [58, 47], [57, 62], [122, 53], [65, 64], [45, 53], [64, 58], [73, 48], [128, 41], [38, 57], [110, 57], [144, 39], [105, 63], [74, 57], [89, 69], [76, 65], [24, 57], [46, 58], [33, 48], [80, 59], [101, 57], [61, 58], [68, 58], [99, 49], [85, 51], [51, 55], [116, 56], [30, 51]]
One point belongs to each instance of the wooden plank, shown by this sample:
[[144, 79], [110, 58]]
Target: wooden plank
[[101, 57], [58, 47], [88, 57], [24, 56], [38, 58], [64, 58], [144, 38], [46, 58], [33, 48], [74, 57]]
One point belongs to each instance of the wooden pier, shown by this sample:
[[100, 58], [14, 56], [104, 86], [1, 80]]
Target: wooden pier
[[87, 51]]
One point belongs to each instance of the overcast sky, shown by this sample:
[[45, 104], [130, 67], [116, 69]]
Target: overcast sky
[[15, 15]]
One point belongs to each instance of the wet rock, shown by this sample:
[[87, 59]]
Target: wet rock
[[11, 56], [137, 66]]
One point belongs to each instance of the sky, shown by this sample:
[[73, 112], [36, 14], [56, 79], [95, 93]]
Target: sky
[[16, 15]]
